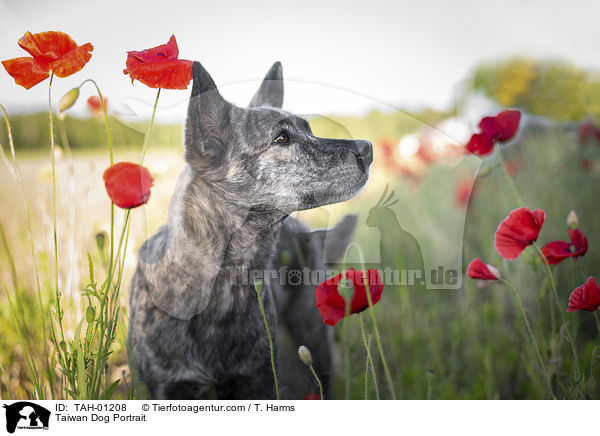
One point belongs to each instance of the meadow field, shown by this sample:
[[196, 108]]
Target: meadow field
[[464, 339]]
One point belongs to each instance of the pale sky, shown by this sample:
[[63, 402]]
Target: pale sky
[[344, 57]]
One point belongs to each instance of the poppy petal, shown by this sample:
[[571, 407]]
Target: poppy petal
[[94, 103], [585, 297], [556, 251], [331, 304], [128, 184], [578, 241], [170, 74], [517, 231], [26, 71], [477, 269], [73, 61], [502, 126], [480, 145], [47, 46], [168, 51]]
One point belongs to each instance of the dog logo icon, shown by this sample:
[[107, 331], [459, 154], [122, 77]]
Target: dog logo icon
[[26, 415]]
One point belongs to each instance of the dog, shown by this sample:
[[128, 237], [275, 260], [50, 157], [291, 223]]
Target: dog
[[302, 257], [196, 329]]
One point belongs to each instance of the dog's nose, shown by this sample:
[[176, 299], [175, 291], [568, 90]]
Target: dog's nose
[[365, 151]]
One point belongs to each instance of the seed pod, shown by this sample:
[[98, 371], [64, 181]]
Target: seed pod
[[90, 314]]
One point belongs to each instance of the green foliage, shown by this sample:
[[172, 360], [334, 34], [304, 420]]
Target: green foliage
[[554, 89]]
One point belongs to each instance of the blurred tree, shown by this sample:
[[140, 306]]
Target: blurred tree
[[550, 88]]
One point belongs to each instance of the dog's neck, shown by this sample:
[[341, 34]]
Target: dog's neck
[[209, 240], [237, 236]]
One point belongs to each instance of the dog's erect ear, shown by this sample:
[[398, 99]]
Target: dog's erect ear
[[208, 115], [336, 239], [270, 92]]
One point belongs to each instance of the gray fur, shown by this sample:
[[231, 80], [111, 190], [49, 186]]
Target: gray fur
[[193, 327], [300, 249]]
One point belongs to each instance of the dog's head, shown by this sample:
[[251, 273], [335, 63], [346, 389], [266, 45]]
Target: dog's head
[[262, 156]]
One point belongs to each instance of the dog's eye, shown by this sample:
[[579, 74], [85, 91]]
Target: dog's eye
[[282, 138]]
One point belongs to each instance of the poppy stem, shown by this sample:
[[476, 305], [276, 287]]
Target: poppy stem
[[386, 369], [511, 184], [369, 359], [533, 340], [346, 345], [597, 318], [106, 120], [111, 157], [570, 338], [318, 381], [258, 287], [53, 186], [147, 137]]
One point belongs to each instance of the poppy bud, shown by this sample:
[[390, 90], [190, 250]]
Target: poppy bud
[[305, 355], [484, 172], [90, 314], [494, 271], [258, 286], [68, 100], [100, 240], [572, 220]]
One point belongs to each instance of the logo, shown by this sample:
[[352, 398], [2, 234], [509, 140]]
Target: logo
[[26, 415]]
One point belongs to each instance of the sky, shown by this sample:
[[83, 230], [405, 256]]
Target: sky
[[338, 57]]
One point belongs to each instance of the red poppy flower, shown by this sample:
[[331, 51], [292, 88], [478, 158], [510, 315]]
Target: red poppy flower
[[312, 397], [585, 297], [479, 270], [50, 51], [95, 105], [128, 184], [501, 127], [480, 144], [557, 251], [332, 305], [158, 67], [517, 231]]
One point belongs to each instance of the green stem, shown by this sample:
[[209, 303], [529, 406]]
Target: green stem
[[532, 337], [5, 382], [318, 381], [264, 316], [369, 358], [511, 184], [597, 318], [9, 257], [53, 185], [106, 121], [110, 154], [26, 347], [386, 369], [346, 344], [570, 338], [26, 205], [147, 137]]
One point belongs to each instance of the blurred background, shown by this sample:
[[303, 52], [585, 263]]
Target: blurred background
[[415, 79]]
